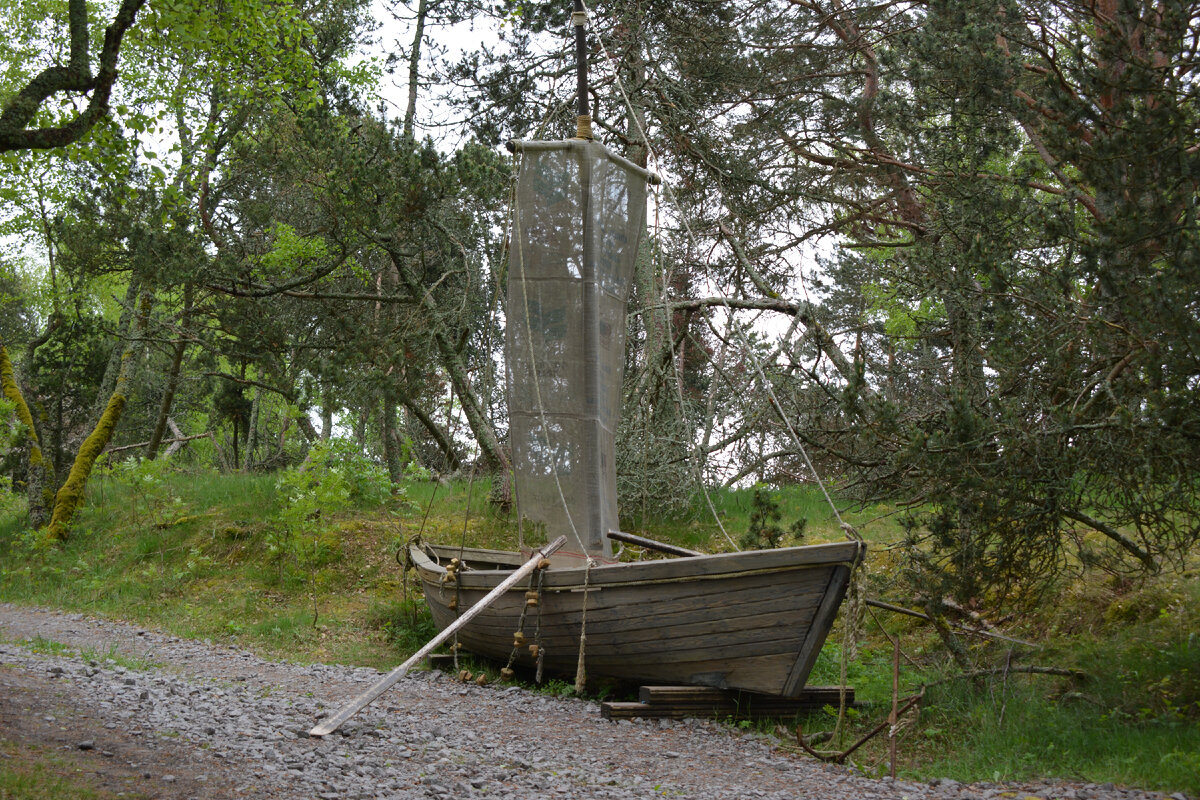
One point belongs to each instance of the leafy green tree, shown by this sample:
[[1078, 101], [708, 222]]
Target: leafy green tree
[[1002, 333], [28, 120]]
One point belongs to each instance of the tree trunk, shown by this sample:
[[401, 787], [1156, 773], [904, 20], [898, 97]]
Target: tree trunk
[[306, 427], [360, 427], [252, 432], [164, 409], [115, 361], [414, 64], [39, 476], [326, 418], [477, 420], [439, 436], [391, 449], [70, 495]]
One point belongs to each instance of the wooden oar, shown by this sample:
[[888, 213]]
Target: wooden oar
[[330, 725], [642, 541]]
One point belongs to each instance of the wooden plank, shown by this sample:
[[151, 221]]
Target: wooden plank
[[650, 544], [614, 710], [685, 569], [440, 661], [743, 623], [771, 633], [758, 673], [617, 604], [682, 594], [821, 695], [819, 629], [646, 622]]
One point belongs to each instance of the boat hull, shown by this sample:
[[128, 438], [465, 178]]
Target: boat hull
[[753, 621]]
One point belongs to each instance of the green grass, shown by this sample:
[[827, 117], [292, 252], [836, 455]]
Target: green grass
[[40, 644], [33, 773], [698, 528], [204, 555], [1135, 719], [192, 553], [1015, 732]]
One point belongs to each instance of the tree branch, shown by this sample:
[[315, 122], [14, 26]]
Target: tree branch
[[76, 77]]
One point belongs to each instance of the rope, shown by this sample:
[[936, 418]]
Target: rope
[[537, 628], [848, 529], [852, 618], [580, 668]]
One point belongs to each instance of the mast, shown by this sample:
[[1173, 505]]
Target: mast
[[594, 540], [583, 115], [578, 219]]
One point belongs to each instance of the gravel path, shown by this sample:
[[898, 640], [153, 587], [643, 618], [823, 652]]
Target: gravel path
[[213, 722]]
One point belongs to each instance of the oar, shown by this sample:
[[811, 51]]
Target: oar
[[642, 541], [330, 725]]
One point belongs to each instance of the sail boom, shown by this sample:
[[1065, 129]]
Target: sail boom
[[538, 145]]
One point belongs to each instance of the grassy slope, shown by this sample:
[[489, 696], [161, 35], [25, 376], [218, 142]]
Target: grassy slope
[[200, 555]]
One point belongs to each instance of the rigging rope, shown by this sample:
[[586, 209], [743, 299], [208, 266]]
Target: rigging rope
[[852, 618], [848, 529], [580, 667]]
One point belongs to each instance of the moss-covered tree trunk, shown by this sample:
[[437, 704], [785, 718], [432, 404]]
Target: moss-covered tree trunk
[[39, 475], [70, 494]]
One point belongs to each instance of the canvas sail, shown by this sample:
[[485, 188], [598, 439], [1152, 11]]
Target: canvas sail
[[577, 225]]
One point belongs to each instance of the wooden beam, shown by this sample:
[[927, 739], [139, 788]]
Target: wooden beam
[[330, 725], [650, 544], [679, 702]]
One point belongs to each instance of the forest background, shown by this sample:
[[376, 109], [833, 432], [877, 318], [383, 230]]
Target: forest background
[[947, 252]]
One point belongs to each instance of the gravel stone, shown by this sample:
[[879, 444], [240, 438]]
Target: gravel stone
[[211, 710]]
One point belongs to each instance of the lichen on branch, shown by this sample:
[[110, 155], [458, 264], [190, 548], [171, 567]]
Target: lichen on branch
[[69, 497], [41, 472]]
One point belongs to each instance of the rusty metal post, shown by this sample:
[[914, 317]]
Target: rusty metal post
[[893, 718]]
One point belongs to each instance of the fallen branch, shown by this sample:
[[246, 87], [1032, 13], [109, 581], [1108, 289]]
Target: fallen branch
[[145, 444], [1066, 672], [840, 758], [921, 615]]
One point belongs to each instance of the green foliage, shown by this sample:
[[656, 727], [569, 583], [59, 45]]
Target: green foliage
[[290, 254], [336, 476], [406, 624], [17, 313], [763, 531]]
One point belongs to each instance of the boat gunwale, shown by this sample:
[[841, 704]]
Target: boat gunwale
[[717, 566]]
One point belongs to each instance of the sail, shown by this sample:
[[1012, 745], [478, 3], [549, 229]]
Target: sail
[[577, 224]]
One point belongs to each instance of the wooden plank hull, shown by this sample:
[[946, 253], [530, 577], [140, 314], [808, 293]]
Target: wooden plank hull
[[753, 621]]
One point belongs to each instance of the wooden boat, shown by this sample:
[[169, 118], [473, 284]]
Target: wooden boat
[[753, 620]]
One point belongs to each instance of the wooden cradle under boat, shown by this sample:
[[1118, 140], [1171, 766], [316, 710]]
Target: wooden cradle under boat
[[753, 621]]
